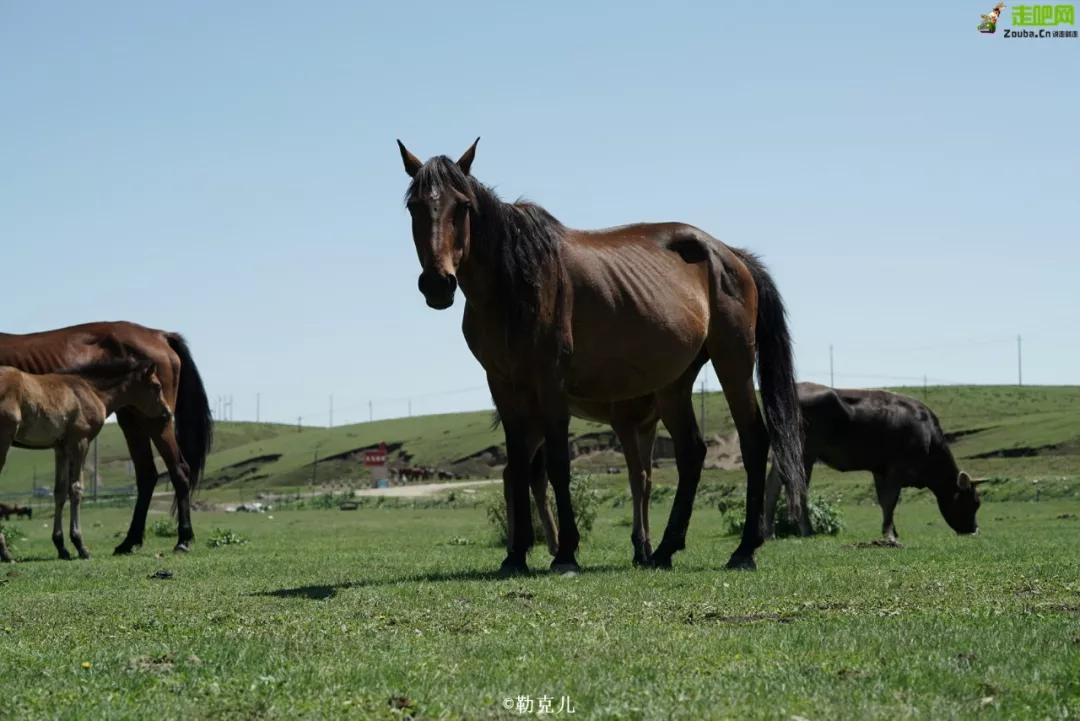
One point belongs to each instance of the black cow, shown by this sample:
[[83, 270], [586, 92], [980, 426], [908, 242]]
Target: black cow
[[896, 438]]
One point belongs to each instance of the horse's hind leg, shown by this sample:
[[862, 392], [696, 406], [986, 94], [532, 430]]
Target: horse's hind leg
[[60, 492], [76, 458], [6, 436], [677, 412], [169, 450], [754, 444]]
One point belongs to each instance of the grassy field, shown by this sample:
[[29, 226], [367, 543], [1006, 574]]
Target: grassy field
[[394, 612], [1004, 431]]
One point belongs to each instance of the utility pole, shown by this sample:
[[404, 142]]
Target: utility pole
[[298, 421], [258, 403], [1019, 361], [315, 469], [370, 412], [410, 408], [924, 387], [832, 375]]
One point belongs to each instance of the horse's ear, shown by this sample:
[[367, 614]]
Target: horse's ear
[[412, 163], [963, 481], [465, 161]]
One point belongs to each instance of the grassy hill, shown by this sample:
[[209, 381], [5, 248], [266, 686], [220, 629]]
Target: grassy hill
[[1000, 430]]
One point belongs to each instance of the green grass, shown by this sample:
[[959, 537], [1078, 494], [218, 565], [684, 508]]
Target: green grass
[[330, 614]]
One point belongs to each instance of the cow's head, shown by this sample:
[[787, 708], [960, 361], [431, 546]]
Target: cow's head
[[960, 504]]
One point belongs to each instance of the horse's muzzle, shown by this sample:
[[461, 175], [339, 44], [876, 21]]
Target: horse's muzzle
[[438, 289]]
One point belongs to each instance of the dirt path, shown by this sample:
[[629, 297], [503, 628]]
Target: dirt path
[[415, 490]]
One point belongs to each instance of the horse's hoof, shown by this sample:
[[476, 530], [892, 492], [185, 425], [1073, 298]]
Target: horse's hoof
[[741, 563], [565, 568], [64, 555], [181, 548], [511, 567], [124, 549], [660, 561], [84, 555]]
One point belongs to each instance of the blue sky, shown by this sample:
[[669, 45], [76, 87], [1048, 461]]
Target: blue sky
[[229, 170]]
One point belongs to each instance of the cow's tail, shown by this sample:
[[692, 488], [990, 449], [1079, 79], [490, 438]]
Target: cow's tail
[[776, 375]]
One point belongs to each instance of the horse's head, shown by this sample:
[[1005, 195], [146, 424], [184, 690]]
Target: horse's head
[[143, 391], [439, 200]]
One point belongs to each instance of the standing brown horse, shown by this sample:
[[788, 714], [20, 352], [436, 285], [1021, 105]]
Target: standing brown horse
[[65, 412], [565, 319], [183, 441]]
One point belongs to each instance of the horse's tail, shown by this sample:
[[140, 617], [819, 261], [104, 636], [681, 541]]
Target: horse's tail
[[194, 423], [776, 375]]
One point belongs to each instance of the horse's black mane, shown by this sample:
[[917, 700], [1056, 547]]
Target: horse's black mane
[[110, 369], [521, 238]]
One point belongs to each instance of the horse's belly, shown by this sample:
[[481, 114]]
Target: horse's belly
[[612, 367], [34, 433]]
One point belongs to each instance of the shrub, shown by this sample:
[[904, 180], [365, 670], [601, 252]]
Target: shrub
[[825, 517], [583, 497], [225, 537], [162, 528]]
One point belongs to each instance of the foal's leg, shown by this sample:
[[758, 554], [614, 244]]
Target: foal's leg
[[76, 458], [60, 491], [639, 535], [6, 437], [677, 411], [169, 449]]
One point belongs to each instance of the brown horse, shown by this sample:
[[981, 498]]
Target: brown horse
[[65, 411], [562, 320], [183, 441]]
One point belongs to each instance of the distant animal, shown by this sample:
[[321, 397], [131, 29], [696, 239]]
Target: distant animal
[[7, 511], [560, 318], [182, 441], [64, 412], [895, 437]]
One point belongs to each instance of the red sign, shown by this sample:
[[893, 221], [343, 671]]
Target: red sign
[[376, 457]]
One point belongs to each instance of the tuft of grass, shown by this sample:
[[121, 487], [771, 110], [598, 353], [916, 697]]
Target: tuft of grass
[[225, 537]]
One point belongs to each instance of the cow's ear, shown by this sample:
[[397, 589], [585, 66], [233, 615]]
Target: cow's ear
[[963, 481]]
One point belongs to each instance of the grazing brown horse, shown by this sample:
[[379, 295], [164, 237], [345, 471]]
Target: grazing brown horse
[[563, 320], [65, 411], [183, 441]]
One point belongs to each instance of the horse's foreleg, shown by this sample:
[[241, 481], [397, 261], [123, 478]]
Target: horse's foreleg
[[519, 512], [557, 455], [76, 458], [142, 458], [60, 492], [6, 437], [167, 447]]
